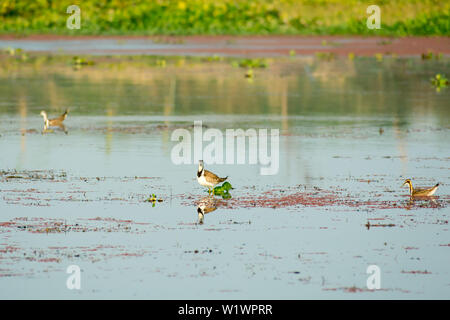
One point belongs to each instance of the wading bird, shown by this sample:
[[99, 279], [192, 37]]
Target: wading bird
[[56, 122], [207, 178], [420, 192]]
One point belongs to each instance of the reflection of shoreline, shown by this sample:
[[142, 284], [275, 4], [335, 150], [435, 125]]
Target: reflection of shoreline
[[401, 146], [286, 87]]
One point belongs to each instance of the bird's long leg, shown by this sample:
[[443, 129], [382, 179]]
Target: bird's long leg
[[63, 128]]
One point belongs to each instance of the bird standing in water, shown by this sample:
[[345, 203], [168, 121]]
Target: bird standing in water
[[207, 178], [56, 122]]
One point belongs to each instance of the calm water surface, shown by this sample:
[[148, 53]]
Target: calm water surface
[[351, 131]]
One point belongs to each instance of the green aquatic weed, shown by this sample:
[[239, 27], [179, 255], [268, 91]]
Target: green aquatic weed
[[253, 63], [439, 81], [161, 63], [153, 199], [77, 61], [223, 190]]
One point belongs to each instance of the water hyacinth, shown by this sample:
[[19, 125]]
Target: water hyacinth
[[223, 190], [439, 81]]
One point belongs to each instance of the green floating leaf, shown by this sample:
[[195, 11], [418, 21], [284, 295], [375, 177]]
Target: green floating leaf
[[218, 190], [227, 186], [77, 61], [223, 190], [253, 63], [439, 81], [153, 199]]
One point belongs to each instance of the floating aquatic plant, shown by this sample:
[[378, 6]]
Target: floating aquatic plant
[[153, 199], [77, 61], [429, 55], [253, 63], [161, 63], [12, 51], [223, 190], [215, 58], [16, 53], [439, 81]]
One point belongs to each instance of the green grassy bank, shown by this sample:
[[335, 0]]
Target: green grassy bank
[[231, 17]]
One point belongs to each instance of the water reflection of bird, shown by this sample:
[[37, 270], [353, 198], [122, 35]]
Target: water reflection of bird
[[207, 178], [56, 122], [420, 192], [431, 202], [206, 205]]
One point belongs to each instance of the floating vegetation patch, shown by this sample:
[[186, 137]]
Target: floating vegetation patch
[[54, 225], [153, 199], [215, 58], [277, 198], [430, 55], [161, 63], [439, 81], [18, 53], [77, 61], [253, 63], [7, 175], [223, 190]]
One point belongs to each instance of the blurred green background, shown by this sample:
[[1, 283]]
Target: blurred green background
[[231, 17]]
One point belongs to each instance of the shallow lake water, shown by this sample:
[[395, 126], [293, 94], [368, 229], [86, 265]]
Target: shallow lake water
[[350, 133]]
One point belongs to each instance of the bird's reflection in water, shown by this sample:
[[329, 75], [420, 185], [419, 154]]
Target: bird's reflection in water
[[419, 201], [206, 205], [61, 127]]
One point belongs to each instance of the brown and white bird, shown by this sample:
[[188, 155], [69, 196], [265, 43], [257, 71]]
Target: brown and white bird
[[207, 178], [420, 192], [56, 122]]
